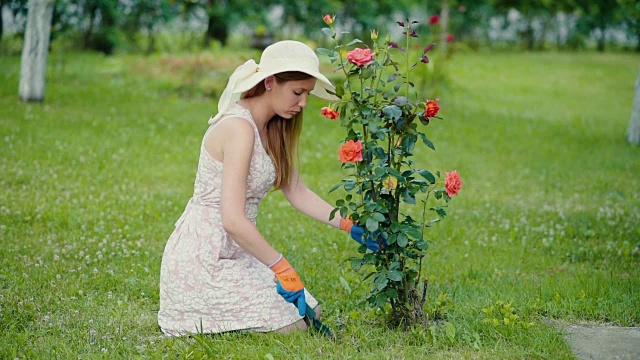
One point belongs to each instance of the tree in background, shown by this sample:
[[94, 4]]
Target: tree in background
[[95, 20], [223, 15], [147, 16], [529, 9], [630, 14], [596, 15], [35, 50], [15, 7], [633, 134]]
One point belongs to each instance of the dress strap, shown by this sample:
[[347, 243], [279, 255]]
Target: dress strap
[[236, 111]]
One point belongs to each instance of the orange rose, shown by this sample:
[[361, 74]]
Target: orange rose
[[329, 113], [360, 57], [351, 151], [432, 108], [452, 183], [328, 19]]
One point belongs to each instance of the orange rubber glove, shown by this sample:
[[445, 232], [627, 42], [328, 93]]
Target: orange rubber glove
[[286, 275], [289, 285], [356, 233], [346, 224]]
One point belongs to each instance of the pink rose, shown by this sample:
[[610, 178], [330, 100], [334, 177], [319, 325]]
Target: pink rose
[[360, 57], [434, 19], [452, 183], [450, 38], [328, 19]]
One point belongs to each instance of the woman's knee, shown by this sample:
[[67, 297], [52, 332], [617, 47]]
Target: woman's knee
[[296, 326], [300, 324]]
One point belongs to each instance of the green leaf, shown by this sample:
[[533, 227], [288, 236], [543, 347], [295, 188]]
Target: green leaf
[[413, 232], [450, 330], [372, 224], [349, 185], [395, 275], [401, 101], [339, 91], [393, 77], [381, 282], [395, 173], [378, 217], [440, 211], [392, 112], [366, 73], [327, 31], [391, 293], [333, 213], [428, 176], [354, 41], [327, 52], [336, 186], [356, 264], [345, 285], [408, 143], [427, 141], [381, 300], [408, 197], [340, 202], [403, 240]]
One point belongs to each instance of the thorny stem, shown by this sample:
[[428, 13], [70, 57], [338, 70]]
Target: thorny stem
[[344, 69], [424, 293], [407, 58]]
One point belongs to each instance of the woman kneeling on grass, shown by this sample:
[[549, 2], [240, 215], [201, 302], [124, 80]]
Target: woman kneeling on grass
[[217, 270]]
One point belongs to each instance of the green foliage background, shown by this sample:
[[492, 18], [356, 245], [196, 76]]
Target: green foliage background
[[545, 228]]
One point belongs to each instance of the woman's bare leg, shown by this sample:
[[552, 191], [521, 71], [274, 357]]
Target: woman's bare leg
[[299, 325]]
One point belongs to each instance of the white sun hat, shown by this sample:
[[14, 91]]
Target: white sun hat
[[282, 56]]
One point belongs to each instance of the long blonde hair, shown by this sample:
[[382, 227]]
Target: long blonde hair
[[282, 134]]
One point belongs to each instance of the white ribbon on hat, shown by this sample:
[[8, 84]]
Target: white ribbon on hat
[[230, 95]]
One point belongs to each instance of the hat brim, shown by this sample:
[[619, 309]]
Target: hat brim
[[323, 88]]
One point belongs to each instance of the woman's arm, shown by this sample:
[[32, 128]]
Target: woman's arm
[[308, 202], [234, 138]]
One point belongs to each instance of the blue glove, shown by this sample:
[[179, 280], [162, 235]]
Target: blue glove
[[356, 233], [295, 297]]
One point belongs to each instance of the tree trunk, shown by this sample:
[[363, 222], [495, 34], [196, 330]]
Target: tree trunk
[[638, 35], [217, 23], [602, 39], [444, 25], [633, 134], [529, 41], [35, 50], [86, 39], [1, 22]]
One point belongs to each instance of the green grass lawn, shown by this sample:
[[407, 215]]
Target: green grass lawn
[[547, 225]]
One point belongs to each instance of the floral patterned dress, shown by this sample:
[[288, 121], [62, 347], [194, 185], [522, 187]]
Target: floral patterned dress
[[208, 283]]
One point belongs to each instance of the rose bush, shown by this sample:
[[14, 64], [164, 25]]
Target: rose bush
[[383, 115]]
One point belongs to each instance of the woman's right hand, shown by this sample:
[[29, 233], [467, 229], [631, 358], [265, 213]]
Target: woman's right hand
[[289, 284]]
